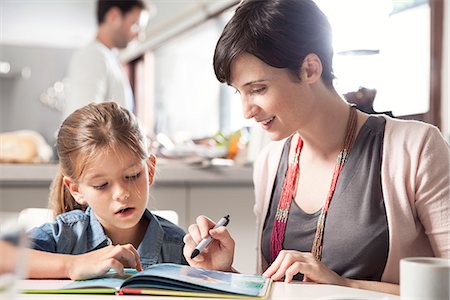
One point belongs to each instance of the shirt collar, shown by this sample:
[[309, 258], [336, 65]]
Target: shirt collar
[[99, 238], [150, 248]]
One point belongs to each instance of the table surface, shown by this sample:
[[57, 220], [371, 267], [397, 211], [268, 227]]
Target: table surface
[[280, 290]]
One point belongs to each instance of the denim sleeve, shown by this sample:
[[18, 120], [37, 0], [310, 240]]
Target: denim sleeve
[[42, 238], [60, 237]]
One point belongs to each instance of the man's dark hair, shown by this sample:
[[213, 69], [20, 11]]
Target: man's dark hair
[[103, 6], [281, 33]]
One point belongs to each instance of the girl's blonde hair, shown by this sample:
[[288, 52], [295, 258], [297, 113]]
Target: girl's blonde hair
[[88, 132]]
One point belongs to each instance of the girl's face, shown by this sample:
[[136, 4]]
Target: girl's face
[[272, 96], [115, 184]]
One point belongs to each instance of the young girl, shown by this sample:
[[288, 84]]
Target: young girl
[[100, 196]]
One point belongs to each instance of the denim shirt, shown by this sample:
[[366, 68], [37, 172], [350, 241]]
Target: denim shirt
[[78, 232]]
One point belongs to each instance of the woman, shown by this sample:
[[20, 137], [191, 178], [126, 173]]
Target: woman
[[337, 186]]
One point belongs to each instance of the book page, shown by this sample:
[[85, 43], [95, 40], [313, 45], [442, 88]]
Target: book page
[[186, 278]]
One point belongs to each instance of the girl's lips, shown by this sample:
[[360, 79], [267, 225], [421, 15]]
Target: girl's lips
[[125, 212]]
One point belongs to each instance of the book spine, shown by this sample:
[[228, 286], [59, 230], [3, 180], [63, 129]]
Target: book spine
[[129, 292]]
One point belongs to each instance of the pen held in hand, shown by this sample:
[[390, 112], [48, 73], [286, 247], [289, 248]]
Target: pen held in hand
[[205, 242]]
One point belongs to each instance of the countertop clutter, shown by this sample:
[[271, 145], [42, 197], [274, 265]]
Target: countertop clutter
[[166, 173]]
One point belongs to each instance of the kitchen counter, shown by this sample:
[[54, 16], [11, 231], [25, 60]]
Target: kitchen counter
[[169, 173], [189, 190]]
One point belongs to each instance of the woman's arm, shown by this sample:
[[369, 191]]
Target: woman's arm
[[373, 286], [290, 262]]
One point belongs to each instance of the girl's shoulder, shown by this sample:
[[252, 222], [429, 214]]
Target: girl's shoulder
[[73, 216], [171, 231]]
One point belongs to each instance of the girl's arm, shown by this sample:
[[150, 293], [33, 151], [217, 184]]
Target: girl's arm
[[96, 263]]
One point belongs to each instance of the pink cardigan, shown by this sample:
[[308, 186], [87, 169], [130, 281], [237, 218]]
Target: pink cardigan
[[415, 178]]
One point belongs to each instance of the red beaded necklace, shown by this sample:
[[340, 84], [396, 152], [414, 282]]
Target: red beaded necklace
[[289, 186]]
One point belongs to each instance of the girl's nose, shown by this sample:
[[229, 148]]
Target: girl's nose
[[121, 194]]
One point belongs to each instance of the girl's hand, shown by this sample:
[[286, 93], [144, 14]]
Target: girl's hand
[[290, 262], [97, 263], [220, 252]]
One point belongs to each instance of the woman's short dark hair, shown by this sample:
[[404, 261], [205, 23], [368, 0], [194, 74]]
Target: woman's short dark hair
[[279, 32], [103, 6]]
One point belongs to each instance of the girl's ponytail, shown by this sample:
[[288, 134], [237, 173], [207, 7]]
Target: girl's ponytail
[[60, 200]]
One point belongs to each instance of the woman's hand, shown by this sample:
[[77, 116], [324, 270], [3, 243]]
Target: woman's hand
[[290, 262], [220, 252], [97, 263]]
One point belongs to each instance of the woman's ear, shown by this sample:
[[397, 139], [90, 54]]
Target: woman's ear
[[74, 190], [151, 165], [311, 69]]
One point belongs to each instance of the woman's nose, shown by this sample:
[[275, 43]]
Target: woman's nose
[[249, 109]]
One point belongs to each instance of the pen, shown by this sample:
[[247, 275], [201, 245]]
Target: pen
[[205, 242]]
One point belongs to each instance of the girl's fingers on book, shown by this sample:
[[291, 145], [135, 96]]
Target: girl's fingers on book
[[126, 255], [137, 258], [114, 264]]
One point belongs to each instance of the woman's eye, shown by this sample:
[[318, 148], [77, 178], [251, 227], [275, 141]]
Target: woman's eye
[[133, 177], [100, 186], [258, 90]]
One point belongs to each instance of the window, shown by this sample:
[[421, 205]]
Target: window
[[379, 44]]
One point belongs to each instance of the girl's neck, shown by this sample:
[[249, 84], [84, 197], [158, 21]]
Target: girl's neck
[[132, 236]]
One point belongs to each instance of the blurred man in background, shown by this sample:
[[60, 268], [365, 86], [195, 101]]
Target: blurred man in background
[[95, 73]]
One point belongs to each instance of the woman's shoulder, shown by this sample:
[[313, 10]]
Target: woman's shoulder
[[401, 127], [412, 135]]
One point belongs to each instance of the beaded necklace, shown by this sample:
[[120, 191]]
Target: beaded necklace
[[289, 186]]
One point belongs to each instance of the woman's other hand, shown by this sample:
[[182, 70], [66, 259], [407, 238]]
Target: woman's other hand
[[97, 263], [290, 262], [218, 255]]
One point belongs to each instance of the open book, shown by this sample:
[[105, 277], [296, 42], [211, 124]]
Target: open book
[[170, 280]]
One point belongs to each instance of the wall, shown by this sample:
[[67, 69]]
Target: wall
[[19, 97], [445, 116]]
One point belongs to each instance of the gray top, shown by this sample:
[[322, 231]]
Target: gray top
[[356, 236]]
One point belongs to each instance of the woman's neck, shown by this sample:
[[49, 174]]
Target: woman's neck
[[324, 135]]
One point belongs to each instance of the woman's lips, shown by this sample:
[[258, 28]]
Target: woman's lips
[[266, 124]]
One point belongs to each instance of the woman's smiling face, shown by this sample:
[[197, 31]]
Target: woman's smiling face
[[272, 96]]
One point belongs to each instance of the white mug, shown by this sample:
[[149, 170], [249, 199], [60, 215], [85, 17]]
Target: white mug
[[425, 278]]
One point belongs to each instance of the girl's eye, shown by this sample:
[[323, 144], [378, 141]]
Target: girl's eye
[[258, 90], [133, 177], [101, 186]]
